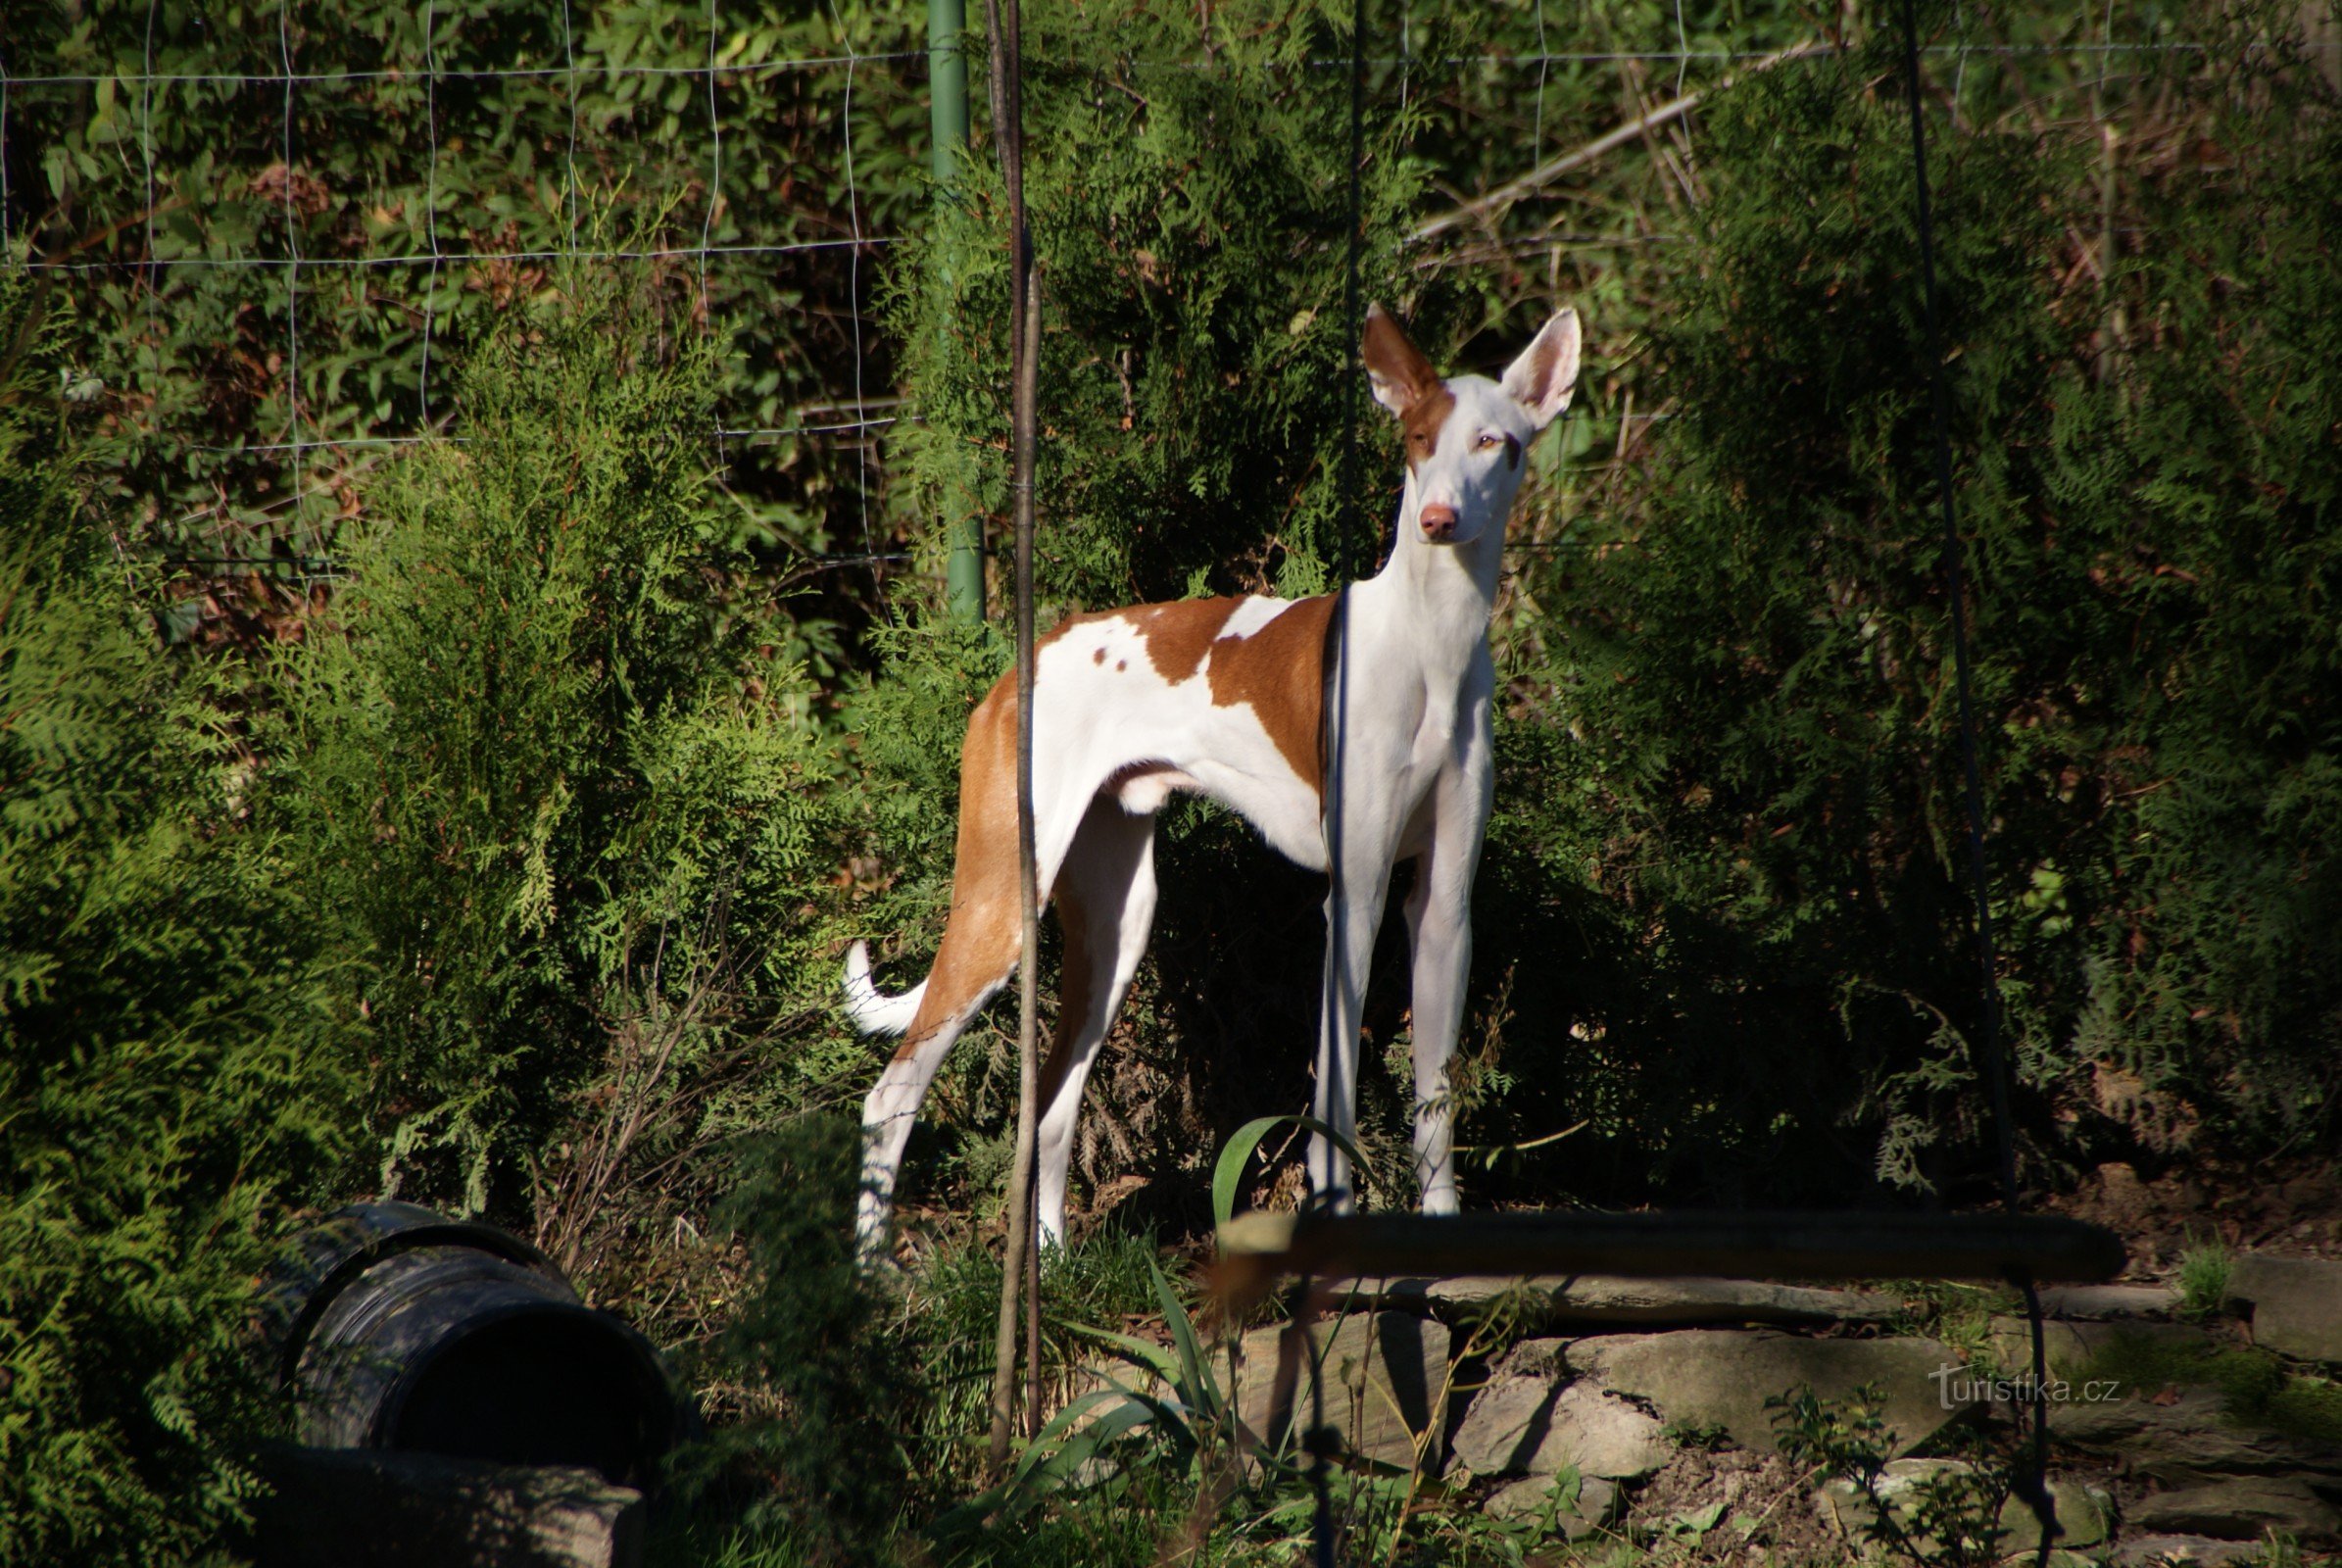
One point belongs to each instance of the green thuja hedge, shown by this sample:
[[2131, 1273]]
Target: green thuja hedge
[[166, 1082], [1763, 793], [557, 790], [1191, 212]]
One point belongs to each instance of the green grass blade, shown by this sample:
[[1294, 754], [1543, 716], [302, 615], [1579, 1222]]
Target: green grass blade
[[1239, 1154]]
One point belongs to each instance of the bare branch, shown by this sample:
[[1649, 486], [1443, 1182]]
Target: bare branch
[[1503, 196]]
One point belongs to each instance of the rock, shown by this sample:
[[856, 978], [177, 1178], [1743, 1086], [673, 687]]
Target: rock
[[374, 1508], [1536, 1359], [2083, 1516], [2239, 1508], [2081, 1512], [1597, 1501], [1901, 1487], [1386, 1387], [1601, 1299], [1367, 1293], [2116, 1301], [1522, 1425], [2157, 1552], [2296, 1303], [2071, 1346], [2187, 1440], [1708, 1377]]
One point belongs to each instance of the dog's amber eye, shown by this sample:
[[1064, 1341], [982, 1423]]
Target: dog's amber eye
[[1486, 441]]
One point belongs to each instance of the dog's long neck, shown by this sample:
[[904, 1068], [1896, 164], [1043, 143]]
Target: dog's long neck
[[1436, 597]]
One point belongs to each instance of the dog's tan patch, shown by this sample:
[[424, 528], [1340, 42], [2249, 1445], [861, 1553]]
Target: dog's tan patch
[[1280, 672], [1175, 636], [1423, 422], [981, 936]]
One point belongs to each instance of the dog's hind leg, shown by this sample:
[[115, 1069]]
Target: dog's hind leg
[[979, 948], [980, 938], [1106, 904]]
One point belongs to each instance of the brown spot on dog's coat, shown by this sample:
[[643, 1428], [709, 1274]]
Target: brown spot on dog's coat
[[980, 937], [1097, 655], [1422, 423], [1406, 383], [1177, 636], [1280, 672]]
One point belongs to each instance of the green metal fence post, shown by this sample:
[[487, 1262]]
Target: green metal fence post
[[947, 121]]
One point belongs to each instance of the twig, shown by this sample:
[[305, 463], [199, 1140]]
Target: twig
[[1505, 195]]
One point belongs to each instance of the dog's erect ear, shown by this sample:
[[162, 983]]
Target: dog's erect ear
[[1400, 375], [1542, 380]]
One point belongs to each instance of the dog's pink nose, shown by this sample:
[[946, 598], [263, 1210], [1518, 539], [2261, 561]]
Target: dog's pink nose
[[1439, 520]]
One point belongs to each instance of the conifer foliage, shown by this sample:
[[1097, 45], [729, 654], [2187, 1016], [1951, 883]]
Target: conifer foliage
[[1192, 220], [550, 772], [1758, 658], [166, 1084]]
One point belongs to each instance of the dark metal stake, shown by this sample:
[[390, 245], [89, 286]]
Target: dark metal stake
[[1008, 106], [2032, 1487]]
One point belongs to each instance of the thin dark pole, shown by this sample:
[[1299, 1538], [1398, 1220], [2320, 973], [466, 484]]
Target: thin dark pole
[[947, 132], [1352, 306], [1007, 107], [1028, 979], [1336, 949], [2033, 1489]]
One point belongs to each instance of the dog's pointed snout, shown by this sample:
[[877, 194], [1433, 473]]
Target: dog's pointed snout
[[1439, 520]]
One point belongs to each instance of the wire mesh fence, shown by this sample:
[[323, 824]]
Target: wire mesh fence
[[283, 224]]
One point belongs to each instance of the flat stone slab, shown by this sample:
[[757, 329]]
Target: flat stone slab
[[2189, 1438], [1597, 1503], [2082, 1516], [2296, 1304], [1609, 1300], [373, 1508], [2241, 1508], [1386, 1386], [1722, 1378], [1900, 1487], [1371, 1293], [2116, 1303], [2070, 1347], [2162, 1550], [1524, 1425]]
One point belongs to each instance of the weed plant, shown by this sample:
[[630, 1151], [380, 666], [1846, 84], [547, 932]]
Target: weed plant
[[2204, 1269], [1950, 1518]]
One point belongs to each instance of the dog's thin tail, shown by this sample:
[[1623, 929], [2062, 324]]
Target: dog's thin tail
[[874, 1012]]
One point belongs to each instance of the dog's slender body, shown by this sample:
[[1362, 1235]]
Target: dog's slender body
[[1352, 730]]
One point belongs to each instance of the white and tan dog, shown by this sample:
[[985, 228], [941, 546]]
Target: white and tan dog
[[1352, 730]]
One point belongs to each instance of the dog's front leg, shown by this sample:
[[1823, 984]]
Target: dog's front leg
[[1362, 831], [1439, 921], [1353, 915]]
